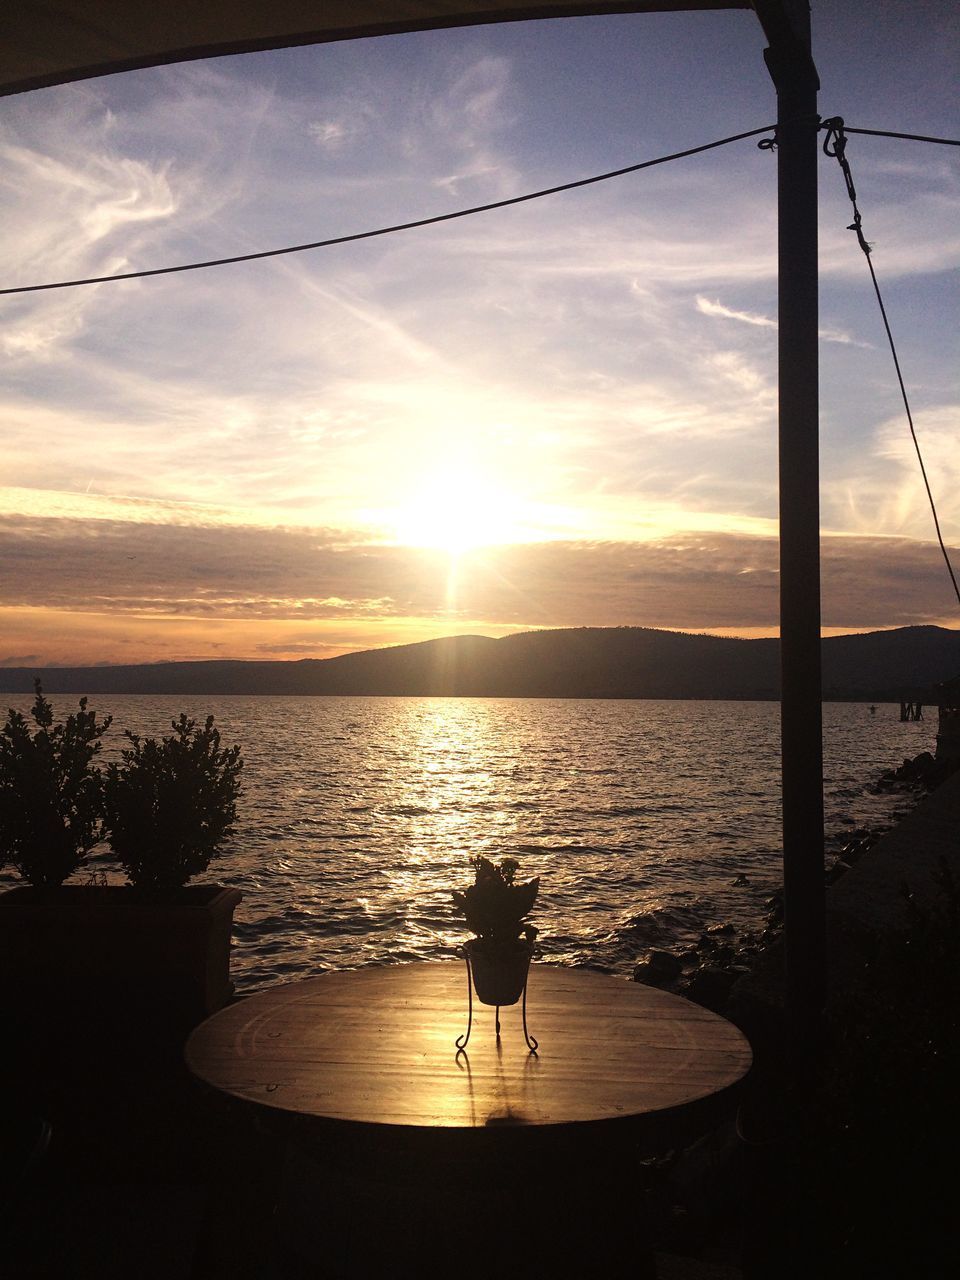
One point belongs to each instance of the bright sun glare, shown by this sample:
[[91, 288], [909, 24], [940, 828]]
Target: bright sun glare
[[456, 509]]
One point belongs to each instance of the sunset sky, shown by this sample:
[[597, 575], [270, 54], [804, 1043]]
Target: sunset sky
[[558, 414]]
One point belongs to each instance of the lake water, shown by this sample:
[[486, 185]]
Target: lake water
[[359, 815]]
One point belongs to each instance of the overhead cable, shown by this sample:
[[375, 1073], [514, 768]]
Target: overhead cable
[[455, 214], [907, 137], [447, 217], [385, 231], [835, 144]]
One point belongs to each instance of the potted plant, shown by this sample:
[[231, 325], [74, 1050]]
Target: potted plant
[[169, 807], [494, 907], [141, 962]]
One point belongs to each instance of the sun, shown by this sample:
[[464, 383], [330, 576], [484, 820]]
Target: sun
[[457, 508]]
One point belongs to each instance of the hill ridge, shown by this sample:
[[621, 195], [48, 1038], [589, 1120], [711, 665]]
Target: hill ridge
[[583, 662]]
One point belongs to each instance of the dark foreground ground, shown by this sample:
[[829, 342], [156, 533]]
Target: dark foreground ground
[[841, 1159]]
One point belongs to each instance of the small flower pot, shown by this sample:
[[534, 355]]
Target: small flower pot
[[499, 973]]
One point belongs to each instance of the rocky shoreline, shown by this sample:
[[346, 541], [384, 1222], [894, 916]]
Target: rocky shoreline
[[833, 1164], [707, 971]]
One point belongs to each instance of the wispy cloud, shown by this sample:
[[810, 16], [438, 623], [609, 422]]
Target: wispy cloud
[[253, 434], [327, 133], [708, 308]]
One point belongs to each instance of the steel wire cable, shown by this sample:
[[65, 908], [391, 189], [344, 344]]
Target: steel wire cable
[[442, 217], [906, 137], [835, 144], [400, 226]]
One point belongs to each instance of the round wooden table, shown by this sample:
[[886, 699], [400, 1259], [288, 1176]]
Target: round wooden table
[[403, 1153], [377, 1047]]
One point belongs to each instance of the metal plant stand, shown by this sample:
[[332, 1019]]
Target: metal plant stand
[[462, 1041]]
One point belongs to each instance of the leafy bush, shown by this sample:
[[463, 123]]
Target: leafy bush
[[494, 906], [171, 804], [51, 799]]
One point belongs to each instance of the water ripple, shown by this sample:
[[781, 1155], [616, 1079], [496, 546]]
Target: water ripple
[[642, 818]]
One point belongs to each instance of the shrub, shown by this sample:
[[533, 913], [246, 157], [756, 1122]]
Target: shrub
[[51, 796], [494, 906], [171, 804]]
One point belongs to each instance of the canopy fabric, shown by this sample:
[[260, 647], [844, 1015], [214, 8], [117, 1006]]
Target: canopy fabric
[[48, 42]]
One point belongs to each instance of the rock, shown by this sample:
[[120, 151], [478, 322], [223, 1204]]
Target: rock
[[854, 851], [917, 769], [709, 1177], [710, 987], [838, 869], [659, 969]]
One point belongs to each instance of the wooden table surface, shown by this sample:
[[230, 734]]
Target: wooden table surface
[[376, 1046]]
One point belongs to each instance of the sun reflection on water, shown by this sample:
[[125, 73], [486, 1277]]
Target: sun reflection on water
[[647, 821]]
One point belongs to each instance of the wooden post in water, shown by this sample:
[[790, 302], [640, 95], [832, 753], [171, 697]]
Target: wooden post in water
[[789, 61]]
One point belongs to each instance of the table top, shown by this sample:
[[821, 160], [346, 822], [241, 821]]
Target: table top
[[376, 1046]]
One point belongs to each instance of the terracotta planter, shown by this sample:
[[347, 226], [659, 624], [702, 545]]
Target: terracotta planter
[[114, 960], [499, 975]]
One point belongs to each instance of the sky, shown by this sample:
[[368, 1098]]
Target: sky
[[558, 414]]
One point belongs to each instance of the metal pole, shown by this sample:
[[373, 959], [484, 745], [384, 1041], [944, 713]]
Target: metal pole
[[795, 78]]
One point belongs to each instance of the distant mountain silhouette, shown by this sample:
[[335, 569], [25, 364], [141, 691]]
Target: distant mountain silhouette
[[586, 662]]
